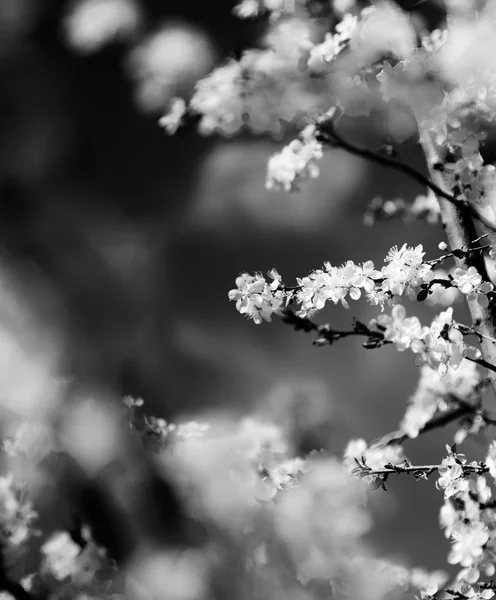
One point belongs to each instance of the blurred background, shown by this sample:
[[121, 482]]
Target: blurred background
[[124, 242]]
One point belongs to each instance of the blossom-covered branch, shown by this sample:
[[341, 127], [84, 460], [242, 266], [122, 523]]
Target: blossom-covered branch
[[419, 471]]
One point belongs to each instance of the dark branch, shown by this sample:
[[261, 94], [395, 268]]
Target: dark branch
[[327, 133], [328, 335]]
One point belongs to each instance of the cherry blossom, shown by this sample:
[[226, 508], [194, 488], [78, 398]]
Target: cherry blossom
[[256, 298]]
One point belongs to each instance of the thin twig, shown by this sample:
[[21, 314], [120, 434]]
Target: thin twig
[[327, 133], [483, 363], [328, 335], [427, 469]]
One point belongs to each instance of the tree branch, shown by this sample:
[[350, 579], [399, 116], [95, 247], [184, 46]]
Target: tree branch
[[327, 133], [441, 420], [390, 469]]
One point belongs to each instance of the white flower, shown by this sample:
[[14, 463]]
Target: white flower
[[452, 479], [476, 593], [399, 329], [255, 298], [361, 276], [405, 270], [443, 346], [378, 297], [469, 282]]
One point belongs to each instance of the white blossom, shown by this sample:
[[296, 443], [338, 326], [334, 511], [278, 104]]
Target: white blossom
[[451, 477], [168, 62], [255, 298], [469, 282], [295, 162], [400, 329], [90, 24]]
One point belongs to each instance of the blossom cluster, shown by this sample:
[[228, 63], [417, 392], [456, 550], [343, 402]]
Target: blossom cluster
[[466, 517], [256, 298], [296, 161], [403, 275], [440, 346], [322, 54], [261, 90]]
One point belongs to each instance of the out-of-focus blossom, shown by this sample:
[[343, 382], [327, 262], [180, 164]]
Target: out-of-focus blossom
[[172, 120], [168, 63], [91, 24], [384, 30], [183, 575], [262, 90], [276, 8], [31, 439], [60, 553], [322, 54], [295, 162], [432, 393], [376, 457], [321, 519]]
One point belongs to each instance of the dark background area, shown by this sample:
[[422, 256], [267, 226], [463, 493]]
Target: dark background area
[[126, 242]]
